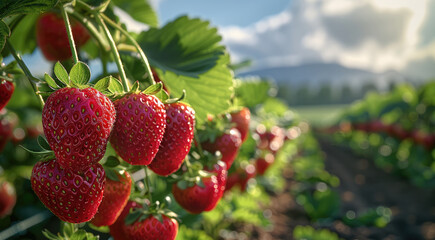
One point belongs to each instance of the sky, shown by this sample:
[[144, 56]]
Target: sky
[[375, 35]]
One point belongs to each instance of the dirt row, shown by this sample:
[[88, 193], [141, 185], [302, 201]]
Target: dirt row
[[362, 186]]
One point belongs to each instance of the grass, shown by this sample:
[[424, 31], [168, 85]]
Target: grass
[[320, 115]]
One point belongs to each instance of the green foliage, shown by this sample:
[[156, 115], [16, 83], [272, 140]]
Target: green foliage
[[246, 88], [13, 7], [139, 10], [309, 233], [4, 33], [188, 56]]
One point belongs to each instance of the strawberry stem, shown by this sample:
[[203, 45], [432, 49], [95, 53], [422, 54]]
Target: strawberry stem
[[136, 45], [70, 35], [147, 184], [26, 70], [114, 52]]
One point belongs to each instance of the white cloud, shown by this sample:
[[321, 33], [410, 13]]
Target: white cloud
[[378, 35]]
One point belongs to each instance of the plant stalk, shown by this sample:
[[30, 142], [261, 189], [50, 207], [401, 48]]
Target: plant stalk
[[136, 45], [114, 52], [70, 35], [147, 184], [25, 70]]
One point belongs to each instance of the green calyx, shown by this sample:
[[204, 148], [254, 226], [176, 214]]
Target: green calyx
[[45, 153], [78, 77], [157, 210]]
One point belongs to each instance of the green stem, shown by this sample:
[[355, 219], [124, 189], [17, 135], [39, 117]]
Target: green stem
[[25, 70], [91, 28], [70, 35], [147, 184], [114, 52], [134, 42]]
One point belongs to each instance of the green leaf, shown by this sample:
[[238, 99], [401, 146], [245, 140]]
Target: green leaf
[[42, 142], [103, 229], [103, 84], [23, 35], [50, 81], [5, 32], [139, 10], [246, 88], [132, 217], [111, 174], [80, 74], [50, 235], [68, 228], [115, 86], [61, 73], [153, 89], [162, 95], [42, 155], [182, 184], [12, 7], [112, 162], [187, 54], [159, 217]]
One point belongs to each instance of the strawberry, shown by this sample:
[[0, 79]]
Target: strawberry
[[116, 229], [228, 144], [241, 177], [245, 174], [6, 90], [6, 127], [180, 123], [115, 198], [232, 181], [77, 124], [242, 119], [52, 37], [196, 199], [8, 198], [151, 228], [263, 163], [73, 196], [139, 128], [221, 170]]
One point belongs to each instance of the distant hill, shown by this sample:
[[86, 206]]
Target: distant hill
[[319, 73]]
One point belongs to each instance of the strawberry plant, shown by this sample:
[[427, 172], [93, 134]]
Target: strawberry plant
[[89, 135]]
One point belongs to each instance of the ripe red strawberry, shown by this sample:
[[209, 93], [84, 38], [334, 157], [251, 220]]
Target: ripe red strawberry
[[6, 127], [6, 90], [71, 196], [197, 199], [242, 119], [139, 128], [77, 124], [245, 174], [228, 144], [8, 198], [151, 229], [52, 37], [180, 123], [232, 180], [116, 194], [221, 170], [263, 163], [116, 229]]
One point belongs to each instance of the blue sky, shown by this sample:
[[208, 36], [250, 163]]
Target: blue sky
[[223, 12], [373, 35]]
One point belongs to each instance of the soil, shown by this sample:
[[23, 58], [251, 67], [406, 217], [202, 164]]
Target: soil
[[362, 186]]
